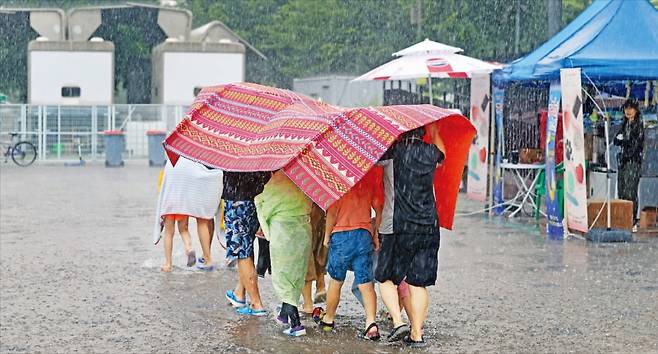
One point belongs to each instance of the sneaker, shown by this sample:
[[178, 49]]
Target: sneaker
[[317, 314], [282, 320], [296, 331], [247, 310], [230, 296]]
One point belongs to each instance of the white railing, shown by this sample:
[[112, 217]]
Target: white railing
[[60, 132]]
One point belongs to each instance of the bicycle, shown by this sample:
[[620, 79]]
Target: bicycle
[[23, 153]]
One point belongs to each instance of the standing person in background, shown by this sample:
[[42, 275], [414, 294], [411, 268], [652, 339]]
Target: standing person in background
[[412, 252], [316, 263], [631, 140], [352, 239], [241, 224], [188, 189], [284, 215]]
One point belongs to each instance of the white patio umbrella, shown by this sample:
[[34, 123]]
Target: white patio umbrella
[[448, 65], [427, 47], [428, 59]]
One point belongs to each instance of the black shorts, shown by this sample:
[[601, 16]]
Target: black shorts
[[410, 257]]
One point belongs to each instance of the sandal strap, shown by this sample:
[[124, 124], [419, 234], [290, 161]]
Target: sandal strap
[[371, 326], [374, 324], [325, 324]]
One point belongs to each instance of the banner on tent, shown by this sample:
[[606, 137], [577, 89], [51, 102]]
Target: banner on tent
[[575, 191], [498, 101], [554, 224], [478, 153]]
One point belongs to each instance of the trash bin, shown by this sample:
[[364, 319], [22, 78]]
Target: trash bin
[[156, 151], [114, 144]]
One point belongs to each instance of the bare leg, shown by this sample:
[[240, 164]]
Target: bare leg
[[390, 297], [249, 279], [168, 243], [333, 298], [405, 304], [185, 234], [319, 284], [203, 229], [419, 302], [369, 302], [239, 291], [306, 295], [211, 230]]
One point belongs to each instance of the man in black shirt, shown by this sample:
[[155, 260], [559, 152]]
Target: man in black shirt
[[241, 224], [411, 252]]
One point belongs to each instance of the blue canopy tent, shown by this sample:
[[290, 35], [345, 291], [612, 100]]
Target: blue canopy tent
[[610, 40]]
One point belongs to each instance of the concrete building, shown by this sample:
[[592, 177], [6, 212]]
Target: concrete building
[[181, 69], [340, 91], [70, 73], [72, 61], [212, 55]]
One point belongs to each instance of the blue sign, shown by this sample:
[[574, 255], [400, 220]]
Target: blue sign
[[554, 226]]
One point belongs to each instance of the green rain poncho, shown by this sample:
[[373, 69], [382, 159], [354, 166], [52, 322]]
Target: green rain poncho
[[284, 215]]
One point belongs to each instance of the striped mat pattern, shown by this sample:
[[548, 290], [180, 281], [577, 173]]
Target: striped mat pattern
[[324, 149]]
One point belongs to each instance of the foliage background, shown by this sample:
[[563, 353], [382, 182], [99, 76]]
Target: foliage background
[[308, 37]]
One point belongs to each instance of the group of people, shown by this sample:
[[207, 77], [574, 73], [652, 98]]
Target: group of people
[[384, 230]]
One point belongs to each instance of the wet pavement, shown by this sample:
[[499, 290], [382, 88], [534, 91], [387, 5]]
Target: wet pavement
[[78, 273]]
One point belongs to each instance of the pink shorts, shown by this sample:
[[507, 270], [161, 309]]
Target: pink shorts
[[403, 289]]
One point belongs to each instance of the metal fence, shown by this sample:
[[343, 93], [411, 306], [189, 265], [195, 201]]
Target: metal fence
[[64, 132]]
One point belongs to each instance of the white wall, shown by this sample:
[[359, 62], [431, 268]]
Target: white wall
[[51, 70], [184, 71]]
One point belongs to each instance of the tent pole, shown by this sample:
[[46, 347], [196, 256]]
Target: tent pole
[[430, 84], [491, 156]]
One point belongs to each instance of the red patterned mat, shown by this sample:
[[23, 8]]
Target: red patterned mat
[[324, 149]]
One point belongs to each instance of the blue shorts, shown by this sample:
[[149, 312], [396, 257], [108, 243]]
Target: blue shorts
[[350, 250], [241, 225]]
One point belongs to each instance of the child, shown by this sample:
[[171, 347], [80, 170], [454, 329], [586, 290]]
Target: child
[[351, 240], [284, 214], [188, 189]]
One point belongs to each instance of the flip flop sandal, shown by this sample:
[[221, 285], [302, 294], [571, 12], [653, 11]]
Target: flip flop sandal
[[398, 333], [191, 258], [205, 268], [374, 336], [414, 343], [326, 327]]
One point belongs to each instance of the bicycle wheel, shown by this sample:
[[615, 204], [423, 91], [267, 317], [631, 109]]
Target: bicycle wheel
[[24, 153]]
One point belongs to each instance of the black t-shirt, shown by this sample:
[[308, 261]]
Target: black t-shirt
[[244, 186], [414, 165]]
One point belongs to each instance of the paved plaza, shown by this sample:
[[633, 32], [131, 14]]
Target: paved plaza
[[78, 273]]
